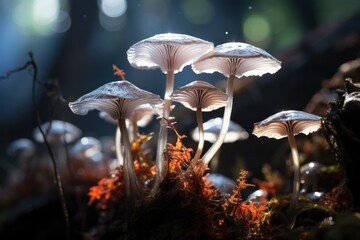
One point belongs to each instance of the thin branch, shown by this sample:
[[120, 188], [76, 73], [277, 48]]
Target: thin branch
[[32, 65]]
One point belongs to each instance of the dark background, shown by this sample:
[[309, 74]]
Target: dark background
[[76, 43]]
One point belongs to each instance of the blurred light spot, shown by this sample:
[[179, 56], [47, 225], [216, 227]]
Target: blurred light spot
[[113, 8], [112, 23], [198, 11], [84, 140], [21, 13], [256, 28], [63, 22], [250, 7], [226, 33], [45, 12]]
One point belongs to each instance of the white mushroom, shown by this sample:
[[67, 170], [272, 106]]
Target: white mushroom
[[118, 99], [287, 124], [201, 97], [171, 53], [212, 129], [57, 134], [234, 59]]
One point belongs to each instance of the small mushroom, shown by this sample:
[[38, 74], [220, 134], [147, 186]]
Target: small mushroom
[[142, 115], [23, 150], [234, 59], [288, 124], [87, 148], [58, 133], [118, 99], [212, 129], [171, 53], [201, 97]]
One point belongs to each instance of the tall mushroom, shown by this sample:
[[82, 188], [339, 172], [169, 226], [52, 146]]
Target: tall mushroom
[[287, 124], [234, 59], [171, 53], [212, 129], [118, 99], [201, 97]]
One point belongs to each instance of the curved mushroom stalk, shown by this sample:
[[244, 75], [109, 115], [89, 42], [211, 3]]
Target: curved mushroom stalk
[[118, 148], [133, 189], [288, 124], [162, 138], [171, 53], [296, 181], [233, 59], [224, 128], [200, 146], [201, 97]]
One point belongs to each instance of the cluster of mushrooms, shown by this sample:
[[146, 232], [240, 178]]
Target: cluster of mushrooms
[[121, 100]]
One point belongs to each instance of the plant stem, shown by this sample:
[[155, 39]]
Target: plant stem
[[162, 139], [130, 179], [201, 137], [224, 128], [296, 181], [55, 168]]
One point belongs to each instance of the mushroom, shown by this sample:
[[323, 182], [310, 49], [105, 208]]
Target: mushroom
[[212, 129], [234, 59], [87, 148], [118, 99], [201, 97], [23, 150], [288, 124], [171, 53], [142, 115], [58, 133]]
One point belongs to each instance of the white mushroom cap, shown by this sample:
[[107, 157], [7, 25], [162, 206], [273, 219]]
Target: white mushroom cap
[[278, 125], [118, 99], [57, 131], [144, 113], [21, 147], [212, 129], [200, 94], [167, 51], [237, 58], [88, 147]]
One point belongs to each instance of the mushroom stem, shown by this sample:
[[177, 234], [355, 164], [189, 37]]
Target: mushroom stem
[[119, 154], [224, 128], [201, 137], [160, 166], [296, 181], [135, 130], [131, 182]]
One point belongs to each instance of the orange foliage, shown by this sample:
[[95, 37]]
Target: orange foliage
[[119, 72], [247, 212], [108, 189]]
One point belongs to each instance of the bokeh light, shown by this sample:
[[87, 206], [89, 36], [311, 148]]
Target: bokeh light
[[257, 30], [198, 11], [113, 8], [112, 14], [42, 17]]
